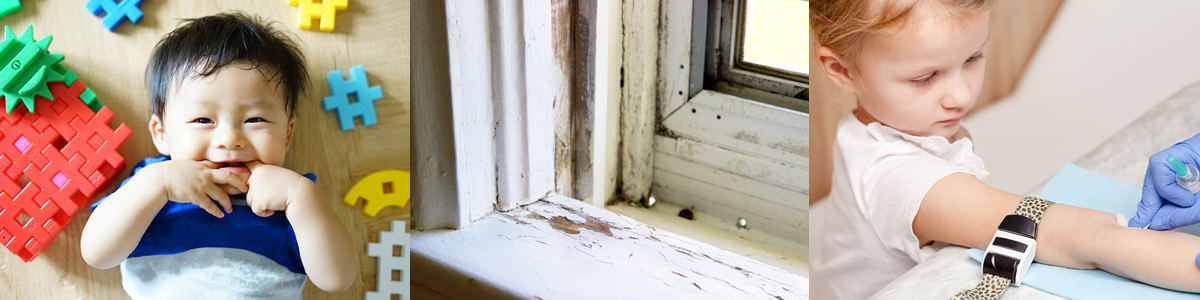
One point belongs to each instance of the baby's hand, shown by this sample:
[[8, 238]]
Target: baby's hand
[[270, 186], [188, 181]]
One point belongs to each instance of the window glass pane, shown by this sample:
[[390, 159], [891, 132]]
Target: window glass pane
[[776, 35]]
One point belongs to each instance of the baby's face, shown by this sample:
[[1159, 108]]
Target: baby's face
[[225, 120], [922, 79]]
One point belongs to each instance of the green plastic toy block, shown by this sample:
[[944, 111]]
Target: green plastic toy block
[[8, 7], [27, 67]]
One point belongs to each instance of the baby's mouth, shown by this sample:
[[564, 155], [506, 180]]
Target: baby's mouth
[[234, 167]]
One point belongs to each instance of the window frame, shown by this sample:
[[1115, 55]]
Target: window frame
[[682, 118], [722, 63]]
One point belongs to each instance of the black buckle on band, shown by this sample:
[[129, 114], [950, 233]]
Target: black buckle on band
[[1001, 265], [1018, 224]]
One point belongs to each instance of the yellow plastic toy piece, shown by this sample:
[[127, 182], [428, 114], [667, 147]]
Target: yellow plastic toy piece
[[383, 188], [325, 10]]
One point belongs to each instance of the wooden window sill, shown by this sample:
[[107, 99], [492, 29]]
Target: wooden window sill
[[560, 248]]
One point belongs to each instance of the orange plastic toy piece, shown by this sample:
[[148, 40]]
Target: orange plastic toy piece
[[51, 164]]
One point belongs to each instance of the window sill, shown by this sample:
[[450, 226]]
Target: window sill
[[562, 248], [751, 242]]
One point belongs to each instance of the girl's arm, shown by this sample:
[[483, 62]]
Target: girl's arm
[[959, 209], [325, 246]]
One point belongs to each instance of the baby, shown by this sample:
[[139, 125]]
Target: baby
[[906, 180], [223, 92]]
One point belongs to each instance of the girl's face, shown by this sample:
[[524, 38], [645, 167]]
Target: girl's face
[[923, 77]]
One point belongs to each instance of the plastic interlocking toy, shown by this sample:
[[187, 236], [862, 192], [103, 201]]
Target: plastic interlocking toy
[[364, 107], [326, 10], [114, 12], [394, 264], [54, 161]]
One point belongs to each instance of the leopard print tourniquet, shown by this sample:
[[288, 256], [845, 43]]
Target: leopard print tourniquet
[[992, 286]]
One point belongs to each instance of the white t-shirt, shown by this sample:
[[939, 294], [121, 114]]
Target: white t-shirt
[[880, 176]]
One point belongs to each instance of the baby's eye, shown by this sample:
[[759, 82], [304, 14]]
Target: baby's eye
[[255, 120], [203, 121]]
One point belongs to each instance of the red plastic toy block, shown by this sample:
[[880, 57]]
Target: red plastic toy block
[[51, 165]]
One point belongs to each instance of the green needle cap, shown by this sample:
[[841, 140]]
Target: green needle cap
[[1180, 169]]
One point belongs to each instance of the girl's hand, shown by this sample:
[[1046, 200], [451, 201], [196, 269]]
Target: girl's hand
[[270, 188], [186, 181]]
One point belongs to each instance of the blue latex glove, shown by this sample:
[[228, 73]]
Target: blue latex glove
[[1165, 205]]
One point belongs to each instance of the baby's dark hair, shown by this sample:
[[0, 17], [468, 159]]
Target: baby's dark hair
[[202, 47]]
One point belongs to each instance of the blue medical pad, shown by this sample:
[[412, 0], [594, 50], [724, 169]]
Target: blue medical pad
[[1074, 185]]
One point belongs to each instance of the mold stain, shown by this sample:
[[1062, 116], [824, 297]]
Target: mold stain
[[746, 136]]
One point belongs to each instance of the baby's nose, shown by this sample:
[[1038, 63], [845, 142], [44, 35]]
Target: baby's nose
[[229, 139]]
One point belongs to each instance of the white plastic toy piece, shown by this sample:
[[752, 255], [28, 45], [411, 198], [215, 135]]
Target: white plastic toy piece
[[390, 263]]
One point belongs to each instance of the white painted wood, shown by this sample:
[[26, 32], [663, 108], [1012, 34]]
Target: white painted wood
[[675, 59], [721, 193], [508, 77], [562, 248], [751, 162], [571, 153], [434, 175], [504, 76], [724, 178], [605, 134], [797, 232], [640, 21], [729, 196], [471, 94], [527, 79], [747, 126], [459, 172], [758, 169], [545, 80], [789, 255], [753, 109]]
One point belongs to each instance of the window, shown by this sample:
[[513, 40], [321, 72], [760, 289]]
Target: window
[[733, 148], [774, 38], [761, 45]]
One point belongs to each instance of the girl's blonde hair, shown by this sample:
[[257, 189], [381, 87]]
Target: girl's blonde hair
[[842, 24]]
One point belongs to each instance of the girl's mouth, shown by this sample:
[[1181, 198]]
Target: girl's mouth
[[234, 167], [950, 121]]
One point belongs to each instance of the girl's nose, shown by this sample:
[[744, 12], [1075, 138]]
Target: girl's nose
[[958, 93]]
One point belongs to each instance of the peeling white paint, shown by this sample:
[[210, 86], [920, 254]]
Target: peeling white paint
[[597, 255]]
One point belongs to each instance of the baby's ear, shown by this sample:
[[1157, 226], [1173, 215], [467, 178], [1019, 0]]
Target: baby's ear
[[158, 134], [291, 129]]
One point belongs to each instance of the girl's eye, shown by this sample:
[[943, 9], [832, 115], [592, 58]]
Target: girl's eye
[[256, 120], [973, 58], [203, 121], [924, 80]]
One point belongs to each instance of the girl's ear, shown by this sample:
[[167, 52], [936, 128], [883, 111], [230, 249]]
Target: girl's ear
[[835, 66], [158, 134]]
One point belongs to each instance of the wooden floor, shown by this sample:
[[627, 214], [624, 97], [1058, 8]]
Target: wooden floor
[[373, 33]]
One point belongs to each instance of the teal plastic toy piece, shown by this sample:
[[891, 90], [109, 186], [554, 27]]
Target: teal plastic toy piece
[[366, 95], [8, 7], [28, 66], [114, 12]]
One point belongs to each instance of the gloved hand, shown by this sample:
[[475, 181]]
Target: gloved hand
[[1165, 205]]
